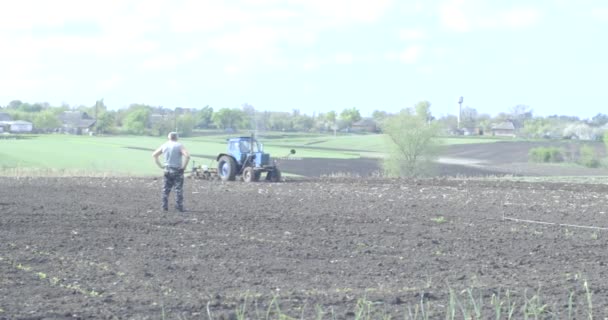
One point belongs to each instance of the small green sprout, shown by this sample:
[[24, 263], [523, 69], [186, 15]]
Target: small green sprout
[[440, 219]]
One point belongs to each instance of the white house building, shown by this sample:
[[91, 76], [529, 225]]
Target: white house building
[[18, 126]]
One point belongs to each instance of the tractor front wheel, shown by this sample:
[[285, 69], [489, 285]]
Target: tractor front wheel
[[226, 168], [250, 175]]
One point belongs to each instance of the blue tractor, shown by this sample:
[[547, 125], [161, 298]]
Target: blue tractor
[[246, 158]]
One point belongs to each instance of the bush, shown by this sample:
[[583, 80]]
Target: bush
[[546, 155], [411, 145], [588, 157]]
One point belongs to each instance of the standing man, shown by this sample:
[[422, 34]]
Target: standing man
[[176, 160]]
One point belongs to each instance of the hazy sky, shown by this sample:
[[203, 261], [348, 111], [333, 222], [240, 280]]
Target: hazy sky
[[312, 55]]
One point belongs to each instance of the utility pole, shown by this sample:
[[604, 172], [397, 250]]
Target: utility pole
[[459, 111], [97, 115], [175, 118]]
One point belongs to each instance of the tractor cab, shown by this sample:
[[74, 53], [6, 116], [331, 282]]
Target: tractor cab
[[248, 152]]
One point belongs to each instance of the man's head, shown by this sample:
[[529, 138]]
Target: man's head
[[172, 136]]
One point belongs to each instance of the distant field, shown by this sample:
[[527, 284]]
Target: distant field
[[119, 155], [132, 154], [79, 153]]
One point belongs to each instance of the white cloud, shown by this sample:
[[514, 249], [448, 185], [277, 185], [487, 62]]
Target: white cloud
[[412, 34], [311, 64], [409, 55], [104, 46], [18, 85], [232, 69], [468, 15], [170, 60], [165, 61], [32, 14], [600, 13], [426, 70], [73, 27], [453, 17], [344, 58], [110, 83], [347, 11], [516, 18], [206, 16], [246, 41], [251, 31]]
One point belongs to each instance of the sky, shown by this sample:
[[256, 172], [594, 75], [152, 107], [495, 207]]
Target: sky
[[311, 55]]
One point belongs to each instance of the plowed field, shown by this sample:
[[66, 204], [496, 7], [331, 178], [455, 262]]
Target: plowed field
[[93, 248]]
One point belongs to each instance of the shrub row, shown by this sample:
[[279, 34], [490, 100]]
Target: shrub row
[[546, 154], [587, 156]]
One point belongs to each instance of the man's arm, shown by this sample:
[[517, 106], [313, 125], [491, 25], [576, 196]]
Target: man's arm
[[186, 156], [155, 155]]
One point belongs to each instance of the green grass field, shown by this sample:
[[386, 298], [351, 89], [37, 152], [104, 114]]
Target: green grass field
[[131, 155]]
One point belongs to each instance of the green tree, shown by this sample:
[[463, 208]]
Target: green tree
[[228, 118], [26, 107], [106, 122], [204, 118], [599, 120], [280, 121], [46, 120], [379, 116], [423, 110], [321, 122], [350, 116], [88, 110], [484, 122], [160, 126], [15, 104], [185, 124], [448, 122], [412, 144], [302, 123], [249, 117], [136, 120], [21, 115], [263, 120], [468, 118], [331, 116], [519, 114]]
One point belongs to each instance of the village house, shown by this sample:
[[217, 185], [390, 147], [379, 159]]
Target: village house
[[76, 122], [503, 129], [5, 117], [20, 126], [17, 126], [7, 124], [364, 125]]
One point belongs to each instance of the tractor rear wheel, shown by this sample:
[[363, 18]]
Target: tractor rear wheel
[[250, 175], [274, 175], [226, 168]]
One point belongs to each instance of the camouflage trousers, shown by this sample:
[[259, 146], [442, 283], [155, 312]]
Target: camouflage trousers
[[173, 179]]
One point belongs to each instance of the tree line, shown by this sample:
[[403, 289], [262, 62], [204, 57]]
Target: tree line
[[141, 119]]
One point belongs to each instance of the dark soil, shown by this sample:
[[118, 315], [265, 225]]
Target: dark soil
[[92, 248], [488, 159]]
